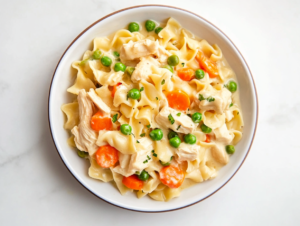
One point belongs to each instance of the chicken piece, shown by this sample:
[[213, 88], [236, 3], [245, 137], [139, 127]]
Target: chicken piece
[[182, 123], [133, 50], [219, 154], [187, 152], [162, 55], [85, 138], [216, 100], [98, 102], [223, 135], [144, 68]]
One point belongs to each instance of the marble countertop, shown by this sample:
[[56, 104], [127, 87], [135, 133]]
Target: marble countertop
[[37, 189]]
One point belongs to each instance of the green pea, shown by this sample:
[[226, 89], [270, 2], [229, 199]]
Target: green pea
[[150, 25], [230, 149], [144, 175], [172, 134], [175, 142], [232, 86], [158, 29], [199, 74], [190, 139], [133, 26], [134, 94], [119, 67], [169, 68], [97, 54], [126, 129], [197, 117], [156, 134], [116, 54], [129, 70], [106, 61], [82, 154], [205, 129], [173, 60]]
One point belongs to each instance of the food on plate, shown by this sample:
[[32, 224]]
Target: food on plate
[[156, 111]]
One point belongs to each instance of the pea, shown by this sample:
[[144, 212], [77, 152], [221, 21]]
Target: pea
[[129, 70], [97, 54], [196, 117], [165, 163], [205, 129], [190, 139], [150, 25], [175, 142], [173, 60], [116, 54], [134, 94], [172, 134], [119, 67], [106, 61], [230, 149], [232, 86], [199, 74], [158, 29], [156, 134], [169, 68], [126, 129], [133, 26], [144, 175], [82, 154]]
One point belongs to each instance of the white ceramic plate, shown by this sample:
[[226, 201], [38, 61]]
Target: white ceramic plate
[[62, 79]]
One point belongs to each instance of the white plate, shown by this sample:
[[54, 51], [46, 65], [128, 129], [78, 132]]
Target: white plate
[[64, 77]]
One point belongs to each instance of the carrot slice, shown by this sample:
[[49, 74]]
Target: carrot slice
[[107, 156], [209, 66], [186, 74], [171, 176], [207, 140], [98, 122], [115, 88], [178, 100], [133, 182]]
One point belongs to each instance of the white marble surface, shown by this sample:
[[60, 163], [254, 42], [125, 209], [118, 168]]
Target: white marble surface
[[37, 189]]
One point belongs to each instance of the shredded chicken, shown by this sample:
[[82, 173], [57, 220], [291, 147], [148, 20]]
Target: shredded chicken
[[144, 68], [216, 100], [182, 123], [219, 153], [223, 135], [98, 102], [85, 138], [187, 152]]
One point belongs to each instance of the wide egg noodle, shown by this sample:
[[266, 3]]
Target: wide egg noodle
[[72, 113], [97, 172]]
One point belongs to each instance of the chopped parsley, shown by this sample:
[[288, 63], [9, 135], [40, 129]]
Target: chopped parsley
[[143, 134], [153, 153], [116, 54], [201, 97], [148, 157], [145, 161], [178, 127], [238, 113], [182, 64], [137, 141], [149, 126], [178, 114], [141, 89], [156, 98], [231, 105], [163, 81], [137, 172], [171, 119], [114, 118], [210, 99]]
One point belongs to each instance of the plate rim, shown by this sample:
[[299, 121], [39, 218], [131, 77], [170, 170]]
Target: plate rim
[[164, 6]]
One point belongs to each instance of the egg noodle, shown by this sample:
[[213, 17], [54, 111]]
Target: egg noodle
[[157, 110]]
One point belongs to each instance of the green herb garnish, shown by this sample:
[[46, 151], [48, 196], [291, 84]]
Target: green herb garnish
[[171, 119], [114, 118]]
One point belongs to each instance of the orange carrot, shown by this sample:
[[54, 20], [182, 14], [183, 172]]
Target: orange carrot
[[178, 100], [115, 88], [107, 156], [171, 176], [186, 74], [98, 122], [207, 140], [209, 66], [133, 182]]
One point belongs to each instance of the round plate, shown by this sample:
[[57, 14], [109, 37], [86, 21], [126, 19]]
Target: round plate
[[64, 77]]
